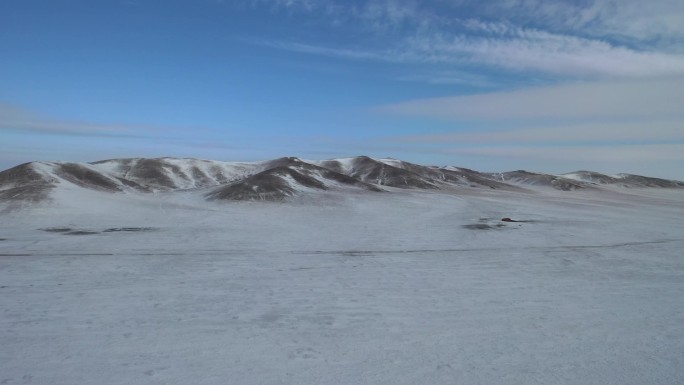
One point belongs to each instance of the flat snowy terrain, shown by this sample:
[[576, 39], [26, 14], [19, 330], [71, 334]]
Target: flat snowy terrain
[[407, 287]]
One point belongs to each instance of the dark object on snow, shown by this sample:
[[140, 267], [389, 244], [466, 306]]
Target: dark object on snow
[[508, 220]]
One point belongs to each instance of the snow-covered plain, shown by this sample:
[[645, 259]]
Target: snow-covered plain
[[407, 287]]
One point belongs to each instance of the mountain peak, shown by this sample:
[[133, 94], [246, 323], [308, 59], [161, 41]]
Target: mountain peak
[[285, 177]]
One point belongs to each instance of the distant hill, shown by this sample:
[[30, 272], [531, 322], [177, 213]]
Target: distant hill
[[283, 178]]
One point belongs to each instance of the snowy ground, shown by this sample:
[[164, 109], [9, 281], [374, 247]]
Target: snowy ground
[[401, 288]]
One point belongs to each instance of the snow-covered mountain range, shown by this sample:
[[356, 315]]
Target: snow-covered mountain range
[[282, 178], [151, 271]]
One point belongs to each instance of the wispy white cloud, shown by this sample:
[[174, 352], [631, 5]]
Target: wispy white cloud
[[603, 132], [635, 20], [566, 39], [16, 118], [380, 15], [596, 154], [534, 50], [32, 136], [658, 160], [528, 51], [321, 50], [299, 5], [636, 124], [449, 77], [657, 98]]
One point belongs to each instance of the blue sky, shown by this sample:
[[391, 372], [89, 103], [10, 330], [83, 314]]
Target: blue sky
[[551, 86]]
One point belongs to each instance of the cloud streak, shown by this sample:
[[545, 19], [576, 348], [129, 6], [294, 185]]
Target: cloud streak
[[629, 19], [637, 124], [659, 131], [644, 99], [571, 40], [16, 118], [596, 154], [534, 50], [530, 50]]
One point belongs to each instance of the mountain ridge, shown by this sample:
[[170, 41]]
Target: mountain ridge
[[283, 178]]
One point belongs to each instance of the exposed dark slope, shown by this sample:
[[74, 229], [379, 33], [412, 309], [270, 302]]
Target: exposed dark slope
[[631, 180], [592, 177], [283, 178], [87, 178], [269, 185], [544, 180], [452, 176], [372, 171], [396, 173], [23, 182], [152, 172], [322, 173], [476, 178], [624, 180], [173, 173]]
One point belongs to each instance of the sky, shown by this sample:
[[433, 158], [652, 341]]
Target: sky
[[543, 85]]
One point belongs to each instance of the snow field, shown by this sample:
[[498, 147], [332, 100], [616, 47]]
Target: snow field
[[345, 289]]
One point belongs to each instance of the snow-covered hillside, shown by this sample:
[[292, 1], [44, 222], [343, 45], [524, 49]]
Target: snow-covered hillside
[[285, 178], [624, 180], [343, 287], [522, 177], [282, 178], [177, 173]]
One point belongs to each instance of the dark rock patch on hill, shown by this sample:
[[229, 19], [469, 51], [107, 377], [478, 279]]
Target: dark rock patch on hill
[[545, 180], [631, 180], [269, 185], [85, 177], [151, 172], [24, 183], [286, 179], [625, 180], [593, 177], [370, 170]]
